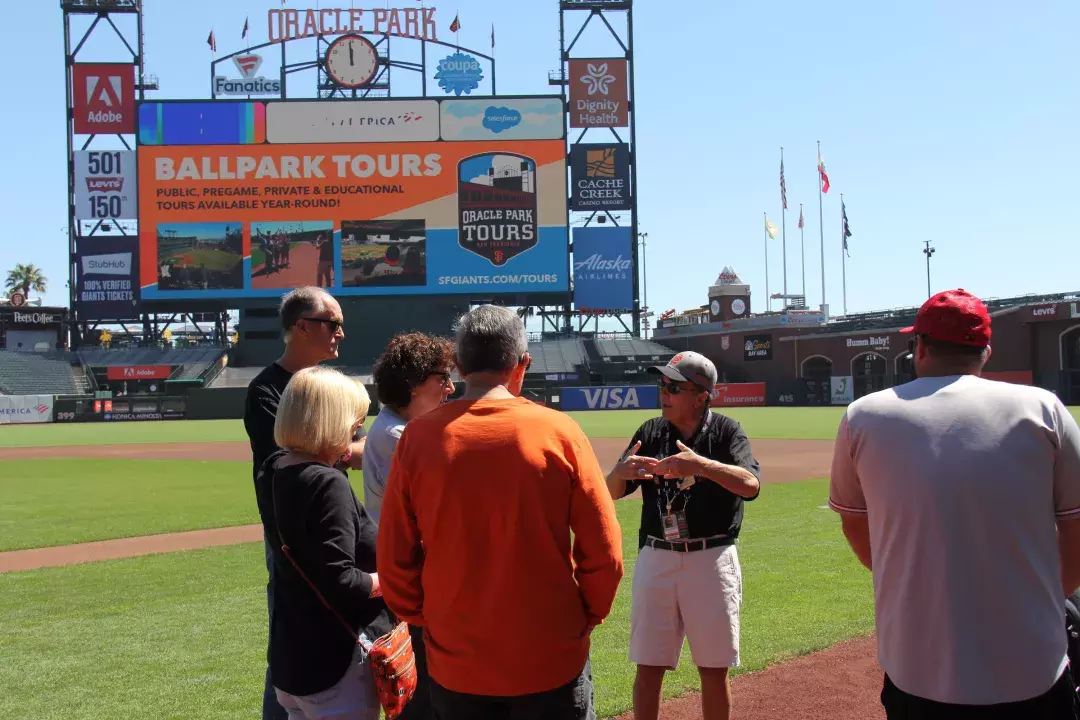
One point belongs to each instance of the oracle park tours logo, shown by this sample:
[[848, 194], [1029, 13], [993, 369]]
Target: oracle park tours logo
[[497, 206], [249, 83]]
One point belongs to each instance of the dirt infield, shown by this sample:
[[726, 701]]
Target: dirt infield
[[781, 460], [841, 683]]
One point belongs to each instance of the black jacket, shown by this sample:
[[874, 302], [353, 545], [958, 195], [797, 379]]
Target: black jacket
[[332, 539]]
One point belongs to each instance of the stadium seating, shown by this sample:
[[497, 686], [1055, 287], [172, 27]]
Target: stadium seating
[[557, 356], [50, 373], [194, 360], [631, 348]]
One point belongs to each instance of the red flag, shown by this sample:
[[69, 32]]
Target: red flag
[[211, 42], [824, 175], [456, 25], [800, 216]]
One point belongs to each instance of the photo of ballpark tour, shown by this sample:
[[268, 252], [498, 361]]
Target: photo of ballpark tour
[[377, 372]]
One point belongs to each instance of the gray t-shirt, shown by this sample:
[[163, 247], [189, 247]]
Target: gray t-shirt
[[382, 438], [961, 479]]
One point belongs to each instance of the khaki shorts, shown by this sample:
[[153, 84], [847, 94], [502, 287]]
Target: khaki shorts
[[696, 595]]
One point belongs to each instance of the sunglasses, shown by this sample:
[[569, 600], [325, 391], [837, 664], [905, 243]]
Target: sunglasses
[[334, 325], [445, 376], [674, 388]]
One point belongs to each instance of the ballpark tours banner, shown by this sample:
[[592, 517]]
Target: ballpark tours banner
[[358, 196], [20, 409], [600, 177], [603, 269], [106, 278], [738, 395]]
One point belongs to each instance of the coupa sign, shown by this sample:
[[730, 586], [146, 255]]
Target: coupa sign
[[627, 397]]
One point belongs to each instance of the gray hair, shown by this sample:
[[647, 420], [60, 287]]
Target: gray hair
[[490, 339], [300, 302]]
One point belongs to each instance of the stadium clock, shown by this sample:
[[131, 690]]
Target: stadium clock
[[352, 61]]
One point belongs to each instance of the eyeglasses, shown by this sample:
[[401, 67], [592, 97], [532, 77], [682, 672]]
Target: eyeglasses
[[445, 376], [335, 325], [674, 388]]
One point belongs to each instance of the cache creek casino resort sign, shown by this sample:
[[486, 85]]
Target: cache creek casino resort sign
[[419, 196]]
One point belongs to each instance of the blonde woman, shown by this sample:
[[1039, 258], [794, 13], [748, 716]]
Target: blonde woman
[[323, 543]]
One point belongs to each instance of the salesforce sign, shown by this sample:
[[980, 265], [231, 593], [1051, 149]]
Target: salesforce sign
[[603, 269], [634, 397]]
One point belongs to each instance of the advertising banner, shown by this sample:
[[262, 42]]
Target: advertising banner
[[757, 347], [103, 99], [738, 395], [385, 218], [385, 121], [138, 372], [600, 176], [106, 278], [105, 185], [631, 397], [501, 118], [842, 390], [598, 93], [603, 269], [21, 409]]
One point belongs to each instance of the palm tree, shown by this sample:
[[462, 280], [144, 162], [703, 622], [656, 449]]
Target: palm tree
[[26, 278]]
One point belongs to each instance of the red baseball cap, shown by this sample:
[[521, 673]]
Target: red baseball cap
[[954, 316]]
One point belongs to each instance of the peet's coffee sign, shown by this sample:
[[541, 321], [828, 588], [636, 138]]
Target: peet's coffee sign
[[36, 318], [880, 342]]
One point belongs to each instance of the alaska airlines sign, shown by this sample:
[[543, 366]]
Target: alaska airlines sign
[[286, 24]]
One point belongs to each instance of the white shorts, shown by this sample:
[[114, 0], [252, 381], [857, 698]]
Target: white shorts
[[696, 595], [354, 697]]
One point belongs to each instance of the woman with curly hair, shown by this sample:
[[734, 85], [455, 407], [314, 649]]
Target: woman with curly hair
[[412, 377]]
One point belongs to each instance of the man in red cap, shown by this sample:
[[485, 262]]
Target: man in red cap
[[962, 496]]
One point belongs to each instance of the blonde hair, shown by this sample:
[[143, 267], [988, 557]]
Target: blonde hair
[[318, 411]]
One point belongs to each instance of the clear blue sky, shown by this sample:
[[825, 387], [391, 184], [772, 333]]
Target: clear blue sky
[[948, 121]]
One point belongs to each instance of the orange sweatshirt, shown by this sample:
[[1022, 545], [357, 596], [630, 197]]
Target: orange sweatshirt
[[475, 544]]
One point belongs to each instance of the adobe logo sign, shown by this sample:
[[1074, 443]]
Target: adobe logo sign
[[104, 99]]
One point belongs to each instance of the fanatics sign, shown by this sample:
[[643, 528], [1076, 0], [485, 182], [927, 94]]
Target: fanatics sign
[[104, 98]]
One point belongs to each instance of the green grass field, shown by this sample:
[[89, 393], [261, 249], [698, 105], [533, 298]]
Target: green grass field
[[183, 635], [790, 423], [211, 259], [356, 252]]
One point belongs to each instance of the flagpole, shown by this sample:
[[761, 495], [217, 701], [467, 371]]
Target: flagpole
[[802, 250], [821, 227], [843, 255], [768, 297], [783, 224]]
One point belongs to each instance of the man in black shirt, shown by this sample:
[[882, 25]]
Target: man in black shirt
[[312, 320], [695, 469]]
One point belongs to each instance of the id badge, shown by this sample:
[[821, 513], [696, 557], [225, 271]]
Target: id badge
[[675, 526]]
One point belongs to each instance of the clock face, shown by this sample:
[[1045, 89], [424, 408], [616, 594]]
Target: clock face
[[714, 307], [352, 61]]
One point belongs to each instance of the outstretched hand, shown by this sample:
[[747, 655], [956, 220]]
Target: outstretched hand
[[684, 464], [636, 467]]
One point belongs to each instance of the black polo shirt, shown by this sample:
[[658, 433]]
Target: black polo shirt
[[710, 508]]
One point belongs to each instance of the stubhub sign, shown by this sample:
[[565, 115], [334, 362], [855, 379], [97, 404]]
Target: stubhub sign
[[626, 397]]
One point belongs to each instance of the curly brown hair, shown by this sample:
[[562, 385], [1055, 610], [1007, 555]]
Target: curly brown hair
[[409, 359]]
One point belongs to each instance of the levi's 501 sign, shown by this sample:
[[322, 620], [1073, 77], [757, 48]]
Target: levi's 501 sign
[[105, 185], [397, 213]]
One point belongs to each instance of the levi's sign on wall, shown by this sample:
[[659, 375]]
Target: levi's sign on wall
[[138, 372], [634, 397]]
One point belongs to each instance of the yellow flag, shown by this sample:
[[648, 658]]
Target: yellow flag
[[771, 229]]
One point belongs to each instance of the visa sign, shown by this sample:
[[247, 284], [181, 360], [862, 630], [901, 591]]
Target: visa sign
[[635, 397]]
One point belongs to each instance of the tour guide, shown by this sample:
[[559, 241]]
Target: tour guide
[[694, 469]]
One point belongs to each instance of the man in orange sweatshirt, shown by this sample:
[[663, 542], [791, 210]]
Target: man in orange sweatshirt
[[475, 539]]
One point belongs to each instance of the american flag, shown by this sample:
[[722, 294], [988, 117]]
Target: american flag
[[783, 185]]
